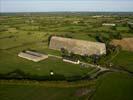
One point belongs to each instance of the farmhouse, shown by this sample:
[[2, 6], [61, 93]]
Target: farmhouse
[[80, 47], [108, 24], [34, 56]]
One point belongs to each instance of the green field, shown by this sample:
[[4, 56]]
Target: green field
[[125, 60], [46, 90], [110, 86], [23, 92], [13, 62], [114, 86]]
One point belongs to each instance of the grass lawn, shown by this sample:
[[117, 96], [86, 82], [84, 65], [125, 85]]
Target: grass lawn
[[114, 86]]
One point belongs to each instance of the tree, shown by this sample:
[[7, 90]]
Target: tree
[[113, 28], [95, 58], [68, 35], [101, 38], [49, 38], [64, 52], [117, 36], [74, 56]]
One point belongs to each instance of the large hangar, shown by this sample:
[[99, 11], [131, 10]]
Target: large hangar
[[80, 47]]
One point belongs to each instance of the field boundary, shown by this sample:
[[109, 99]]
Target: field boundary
[[59, 84]]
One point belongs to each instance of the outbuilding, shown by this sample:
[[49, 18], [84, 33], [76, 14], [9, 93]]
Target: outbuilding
[[33, 56]]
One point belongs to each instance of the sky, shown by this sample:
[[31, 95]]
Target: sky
[[66, 5]]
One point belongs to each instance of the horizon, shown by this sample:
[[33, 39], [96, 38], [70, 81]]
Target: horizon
[[74, 12], [15, 6]]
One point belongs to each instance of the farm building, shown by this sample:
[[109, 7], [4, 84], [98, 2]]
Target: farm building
[[71, 61], [80, 47], [76, 22], [130, 23], [34, 56], [108, 24], [97, 16]]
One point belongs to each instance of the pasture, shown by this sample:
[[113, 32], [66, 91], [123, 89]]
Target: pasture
[[125, 60], [114, 86], [45, 90], [42, 68]]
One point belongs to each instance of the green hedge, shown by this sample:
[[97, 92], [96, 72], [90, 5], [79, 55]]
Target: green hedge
[[20, 75]]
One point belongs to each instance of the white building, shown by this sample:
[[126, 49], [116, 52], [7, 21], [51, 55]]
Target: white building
[[33, 56], [70, 61], [108, 24]]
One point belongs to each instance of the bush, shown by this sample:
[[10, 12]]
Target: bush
[[68, 35], [116, 36], [64, 53], [20, 75], [49, 38], [16, 74], [73, 78], [103, 39]]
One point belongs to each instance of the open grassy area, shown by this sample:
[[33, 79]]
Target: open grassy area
[[12, 62], [22, 92], [124, 59], [45, 90], [110, 86], [123, 29], [114, 86]]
